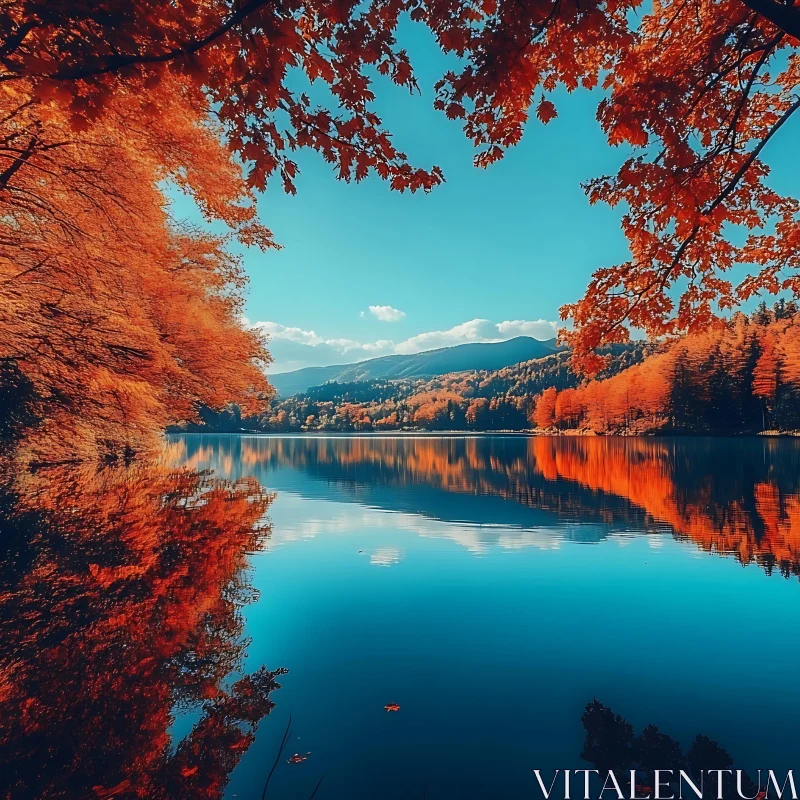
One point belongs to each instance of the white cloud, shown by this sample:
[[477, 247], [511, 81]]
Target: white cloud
[[537, 328], [475, 330], [293, 347], [278, 331], [478, 330], [304, 518], [387, 313]]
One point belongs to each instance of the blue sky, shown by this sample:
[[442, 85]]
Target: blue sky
[[503, 245]]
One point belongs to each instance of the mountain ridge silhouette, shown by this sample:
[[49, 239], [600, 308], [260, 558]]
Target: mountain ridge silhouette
[[441, 361]]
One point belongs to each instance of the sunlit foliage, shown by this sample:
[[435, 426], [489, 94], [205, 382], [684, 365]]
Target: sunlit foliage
[[730, 379]]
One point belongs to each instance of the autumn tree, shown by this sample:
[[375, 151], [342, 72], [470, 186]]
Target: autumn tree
[[766, 376], [698, 93], [544, 412], [724, 380], [477, 411], [431, 414], [569, 408], [116, 318]]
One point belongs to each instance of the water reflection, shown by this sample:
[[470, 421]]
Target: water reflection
[[120, 602], [738, 497], [611, 745]]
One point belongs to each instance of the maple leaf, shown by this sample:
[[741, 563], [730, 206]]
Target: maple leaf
[[546, 111]]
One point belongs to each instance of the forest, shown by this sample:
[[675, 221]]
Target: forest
[[119, 318], [742, 376]]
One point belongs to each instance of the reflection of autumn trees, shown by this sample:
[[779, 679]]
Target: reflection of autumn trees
[[743, 502], [120, 597], [738, 497]]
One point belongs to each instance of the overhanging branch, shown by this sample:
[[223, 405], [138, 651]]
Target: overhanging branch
[[113, 63], [786, 17]]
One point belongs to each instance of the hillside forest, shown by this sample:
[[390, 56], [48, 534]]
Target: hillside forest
[[742, 376]]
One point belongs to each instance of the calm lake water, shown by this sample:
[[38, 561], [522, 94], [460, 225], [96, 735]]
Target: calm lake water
[[491, 587]]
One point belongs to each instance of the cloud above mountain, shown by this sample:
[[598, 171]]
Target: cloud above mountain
[[387, 313], [294, 348], [477, 330]]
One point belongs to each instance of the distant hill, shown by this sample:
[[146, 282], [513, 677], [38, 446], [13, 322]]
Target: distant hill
[[462, 357], [476, 400]]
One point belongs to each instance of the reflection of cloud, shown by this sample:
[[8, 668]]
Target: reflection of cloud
[[298, 517], [385, 556], [307, 518]]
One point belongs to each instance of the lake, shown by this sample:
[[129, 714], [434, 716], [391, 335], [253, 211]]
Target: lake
[[491, 587]]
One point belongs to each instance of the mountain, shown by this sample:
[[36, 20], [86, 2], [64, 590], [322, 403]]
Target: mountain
[[462, 357], [290, 356]]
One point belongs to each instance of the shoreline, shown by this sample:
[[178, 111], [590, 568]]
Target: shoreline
[[456, 434]]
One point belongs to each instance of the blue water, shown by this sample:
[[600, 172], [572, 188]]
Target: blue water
[[492, 619]]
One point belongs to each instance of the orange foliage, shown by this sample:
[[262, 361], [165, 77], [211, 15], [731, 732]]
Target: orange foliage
[[357, 414], [638, 393], [569, 408], [474, 409], [698, 92], [231, 56], [430, 412], [544, 412], [436, 396], [639, 399], [766, 375], [118, 320], [431, 408], [122, 600]]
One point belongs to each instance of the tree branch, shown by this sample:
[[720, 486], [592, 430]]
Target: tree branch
[[664, 275], [723, 195], [115, 62], [8, 174], [786, 17], [16, 39]]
